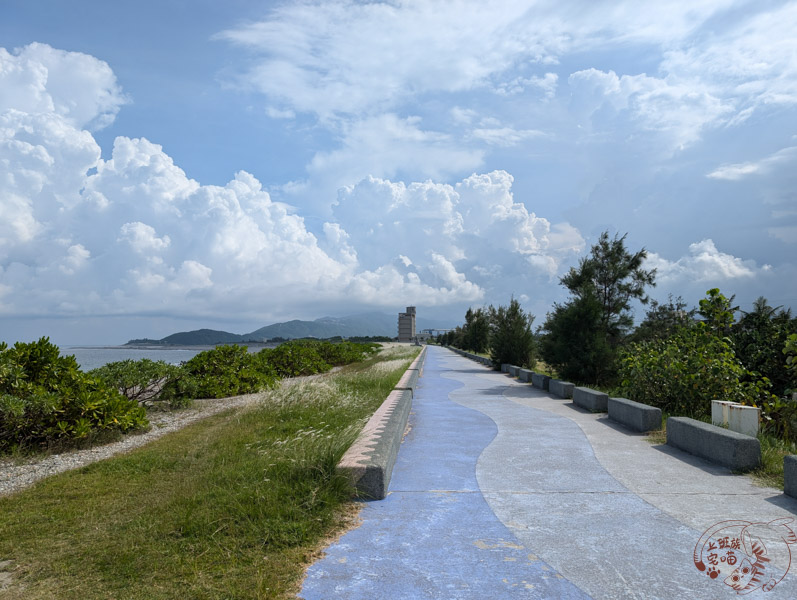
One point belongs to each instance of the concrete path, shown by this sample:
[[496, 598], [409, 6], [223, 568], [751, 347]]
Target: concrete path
[[501, 491]]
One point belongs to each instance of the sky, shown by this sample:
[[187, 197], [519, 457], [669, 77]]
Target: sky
[[176, 164]]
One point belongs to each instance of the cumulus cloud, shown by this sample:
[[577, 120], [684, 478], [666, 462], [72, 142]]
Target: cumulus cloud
[[475, 223], [545, 84], [704, 263], [77, 87], [132, 234]]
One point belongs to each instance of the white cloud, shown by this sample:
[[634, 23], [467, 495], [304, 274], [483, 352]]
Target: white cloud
[[77, 87], [754, 60], [386, 145], [545, 84], [704, 263], [142, 238], [134, 235], [476, 223], [679, 110], [276, 113], [761, 167], [504, 136], [463, 116], [76, 257], [329, 58]]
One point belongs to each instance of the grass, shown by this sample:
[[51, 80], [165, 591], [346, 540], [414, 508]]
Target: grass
[[233, 506], [773, 449]]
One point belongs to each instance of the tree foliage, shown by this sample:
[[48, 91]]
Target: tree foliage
[[140, 380], [581, 336], [574, 343], [759, 339], [511, 338], [614, 277], [476, 332], [662, 320]]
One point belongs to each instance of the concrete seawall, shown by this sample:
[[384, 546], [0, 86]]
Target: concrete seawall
[[368, 463]]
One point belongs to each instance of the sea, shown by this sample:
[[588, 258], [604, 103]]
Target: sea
[[92, 357]]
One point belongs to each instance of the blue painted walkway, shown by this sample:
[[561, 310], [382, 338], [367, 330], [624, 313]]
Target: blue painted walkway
[[497, 493]]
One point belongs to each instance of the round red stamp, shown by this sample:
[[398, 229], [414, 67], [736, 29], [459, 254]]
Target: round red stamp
[[744, 555]]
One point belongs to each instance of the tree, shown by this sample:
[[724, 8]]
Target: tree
[[574, 343], [581, 336], [759, 338], [476, 330], [663, 320], [511, 338], [717, 312], [614, 277]]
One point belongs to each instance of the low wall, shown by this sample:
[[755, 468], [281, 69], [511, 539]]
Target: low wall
[[790, 475], [540, 381], [634, 415], [525, 375], [590, 399], [736, 417], [505, 367], [409, 380], [728, 448], [368, 463], [513, 370], [560, 388]]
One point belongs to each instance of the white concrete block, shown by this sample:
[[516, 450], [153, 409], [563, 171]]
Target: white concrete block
[[736, 417]]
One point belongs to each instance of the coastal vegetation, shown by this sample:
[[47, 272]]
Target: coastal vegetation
[[503, 333], [678, 359], [233, 506], [47, 402]]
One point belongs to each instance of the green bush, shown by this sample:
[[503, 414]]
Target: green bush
[[684, 373], [45, 399], [293, 359], [218, 373], [139, 380], [345, 353]]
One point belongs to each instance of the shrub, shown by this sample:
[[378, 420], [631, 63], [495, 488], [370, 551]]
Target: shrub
[[344, 353], [139, 380], [293, 359], [218, 373], [683, 374], [45, 398]]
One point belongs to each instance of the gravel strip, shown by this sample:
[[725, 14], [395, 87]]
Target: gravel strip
[[16, 475]]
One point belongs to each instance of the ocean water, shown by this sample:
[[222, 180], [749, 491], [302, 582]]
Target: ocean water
[[91, 357]]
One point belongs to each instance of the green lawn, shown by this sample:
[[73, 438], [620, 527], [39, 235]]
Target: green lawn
[[233, 506]]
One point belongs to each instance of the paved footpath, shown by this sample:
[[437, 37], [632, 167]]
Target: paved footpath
[[502, 491]]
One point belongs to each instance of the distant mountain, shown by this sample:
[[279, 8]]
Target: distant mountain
[[364, 324], [354, 325], [201, 337]]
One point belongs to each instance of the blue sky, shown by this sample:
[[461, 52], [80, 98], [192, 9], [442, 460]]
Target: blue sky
[[181, 164]]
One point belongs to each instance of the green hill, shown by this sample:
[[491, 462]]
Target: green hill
[[364, 324]]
